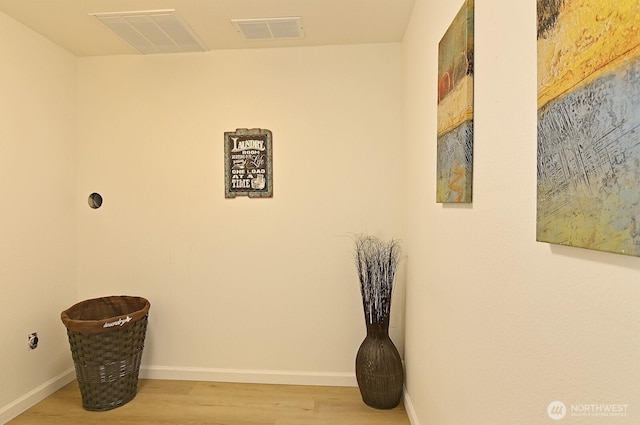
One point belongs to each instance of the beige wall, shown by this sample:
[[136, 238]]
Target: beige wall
[[241, 289], [498, 325], [38, 214]]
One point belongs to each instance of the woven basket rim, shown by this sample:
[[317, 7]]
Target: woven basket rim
[[112, 312]]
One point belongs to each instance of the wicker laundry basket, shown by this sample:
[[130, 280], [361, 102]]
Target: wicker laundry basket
[[106, 336]]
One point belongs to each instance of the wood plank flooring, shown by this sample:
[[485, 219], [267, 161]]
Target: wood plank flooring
[[160, 402]]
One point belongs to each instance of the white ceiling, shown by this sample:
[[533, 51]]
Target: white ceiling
[[326, 22]]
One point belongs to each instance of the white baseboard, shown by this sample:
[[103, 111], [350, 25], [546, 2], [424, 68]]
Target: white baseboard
[[35, 396], [249, 376], [408, 405]]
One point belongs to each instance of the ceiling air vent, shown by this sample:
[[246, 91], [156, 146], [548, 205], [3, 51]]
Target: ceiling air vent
[[269, 28], [153, 31]]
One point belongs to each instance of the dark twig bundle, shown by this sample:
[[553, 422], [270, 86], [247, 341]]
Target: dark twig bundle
[[376, 262]]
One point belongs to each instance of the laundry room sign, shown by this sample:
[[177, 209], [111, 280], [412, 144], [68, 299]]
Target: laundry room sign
[[248, 169]]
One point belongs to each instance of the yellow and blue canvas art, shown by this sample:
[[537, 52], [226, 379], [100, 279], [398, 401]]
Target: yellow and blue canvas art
[[455, 110], [588, 183]]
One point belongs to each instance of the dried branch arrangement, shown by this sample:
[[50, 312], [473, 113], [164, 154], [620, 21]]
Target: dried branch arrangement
[[376, 262]]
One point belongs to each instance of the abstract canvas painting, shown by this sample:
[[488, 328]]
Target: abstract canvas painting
[[455, 110], [588, 183]]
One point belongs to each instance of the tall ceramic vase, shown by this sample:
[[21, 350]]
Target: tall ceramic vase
[[379, 368]]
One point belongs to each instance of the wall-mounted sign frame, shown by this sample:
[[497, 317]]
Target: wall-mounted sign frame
[[248, 163]]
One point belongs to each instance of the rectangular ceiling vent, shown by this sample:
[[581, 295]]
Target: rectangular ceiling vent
[[153, 31], [269, 28]]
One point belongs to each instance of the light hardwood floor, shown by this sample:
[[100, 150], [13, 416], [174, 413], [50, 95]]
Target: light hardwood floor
[[161, 402]]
